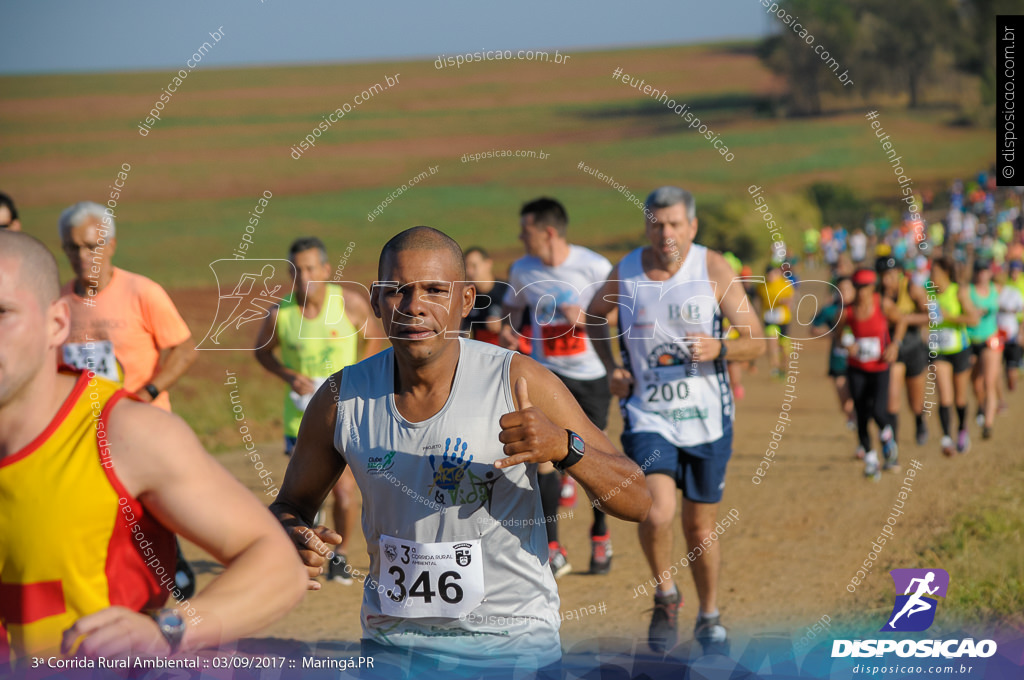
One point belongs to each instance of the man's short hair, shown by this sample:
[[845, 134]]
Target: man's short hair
[[547, 212], [304, 243], [479, 250], [423, 238], [668, 196], [37, 267], [8, 202], [85, 211]]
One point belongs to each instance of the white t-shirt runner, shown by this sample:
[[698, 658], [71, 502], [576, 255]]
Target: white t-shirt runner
[[686, 402], [543, 290], [1011, 304], [458, 549]]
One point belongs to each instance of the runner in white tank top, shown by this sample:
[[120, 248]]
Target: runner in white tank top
[[434, 430], [686, 402], [555, 283], [671, 297]]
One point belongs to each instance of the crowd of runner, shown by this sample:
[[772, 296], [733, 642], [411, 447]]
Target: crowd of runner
[[926, 313]]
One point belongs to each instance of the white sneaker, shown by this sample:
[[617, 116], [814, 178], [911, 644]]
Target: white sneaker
[[871, 468]]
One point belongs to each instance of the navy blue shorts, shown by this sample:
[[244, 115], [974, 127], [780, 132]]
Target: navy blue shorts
[[698, 470]]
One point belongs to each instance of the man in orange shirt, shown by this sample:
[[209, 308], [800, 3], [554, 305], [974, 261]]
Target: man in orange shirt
[[121, 322], [73, 436]]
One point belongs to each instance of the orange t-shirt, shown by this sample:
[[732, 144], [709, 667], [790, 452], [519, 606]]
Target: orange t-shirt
[[136, 317]]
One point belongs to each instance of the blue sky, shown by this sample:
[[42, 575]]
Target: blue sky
[[128, 35]]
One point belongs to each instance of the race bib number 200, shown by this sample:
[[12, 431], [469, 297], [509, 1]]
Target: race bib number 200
[[430, 579]]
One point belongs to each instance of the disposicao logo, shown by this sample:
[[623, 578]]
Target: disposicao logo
[[914, 611]]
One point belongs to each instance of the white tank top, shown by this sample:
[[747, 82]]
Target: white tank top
[[686, 402], [544, 290], [458, 549]]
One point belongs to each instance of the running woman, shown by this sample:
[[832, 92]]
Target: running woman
[[316, 331], [777, 295], [909, 367], [555, 281], [986, 346], [950, 313], [444, 436], [1011, 307], [828, 321], [872, 350], [671, 297]]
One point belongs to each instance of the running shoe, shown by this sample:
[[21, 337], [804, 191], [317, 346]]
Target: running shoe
[[891, 456], [948, 447], [710, 633], [963, 442], [567, 499], [979, 419], [558, 559], [663, 632], [986, 432], [859, 453], [339, 571], [922, 434], [871, 469], [601, 554]]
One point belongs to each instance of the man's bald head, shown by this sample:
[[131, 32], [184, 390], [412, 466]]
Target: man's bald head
[[37, 268], [426, 239]]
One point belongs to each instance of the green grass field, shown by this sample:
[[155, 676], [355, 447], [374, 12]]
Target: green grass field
[[225, 137]]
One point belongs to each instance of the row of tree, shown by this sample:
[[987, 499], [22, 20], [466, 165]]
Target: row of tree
[[888, 46]]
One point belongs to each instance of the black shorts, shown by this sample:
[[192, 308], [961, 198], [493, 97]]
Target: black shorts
[[1013, 354], [593, 396], [961, 360], [913, 354]]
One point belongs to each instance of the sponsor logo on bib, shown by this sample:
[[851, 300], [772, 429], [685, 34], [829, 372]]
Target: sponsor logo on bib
[[463, 554]]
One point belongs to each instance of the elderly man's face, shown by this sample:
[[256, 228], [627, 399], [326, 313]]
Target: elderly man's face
[[89, 251], [671, 232]]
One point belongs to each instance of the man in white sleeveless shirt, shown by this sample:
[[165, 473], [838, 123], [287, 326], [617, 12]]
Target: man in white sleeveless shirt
[[555, 281], [444, 436], [674, 392]]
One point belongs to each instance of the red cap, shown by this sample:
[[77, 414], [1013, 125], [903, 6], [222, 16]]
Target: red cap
[[864, 277]]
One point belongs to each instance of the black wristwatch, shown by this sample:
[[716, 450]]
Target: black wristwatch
[[152, 390], [575, 454], [172, 626]]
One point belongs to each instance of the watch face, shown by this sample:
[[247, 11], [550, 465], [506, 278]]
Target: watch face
[[171, 619], [576, 442]]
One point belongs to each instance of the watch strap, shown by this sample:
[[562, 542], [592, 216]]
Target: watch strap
[[152, 390], [575, 449], [172, 626]]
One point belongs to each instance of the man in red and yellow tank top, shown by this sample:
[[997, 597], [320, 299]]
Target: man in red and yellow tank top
[[89, 495]]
